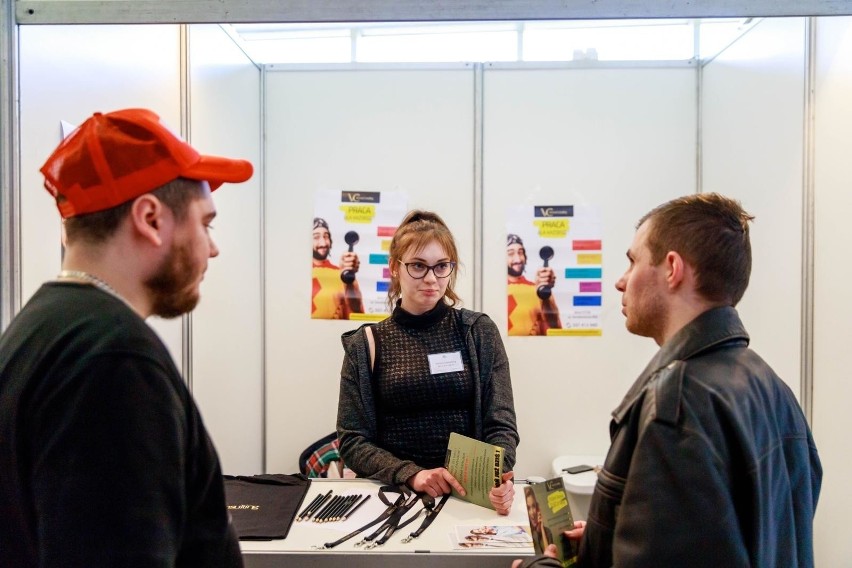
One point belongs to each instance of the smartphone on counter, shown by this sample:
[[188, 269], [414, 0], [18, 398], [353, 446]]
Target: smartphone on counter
[[578, 469]]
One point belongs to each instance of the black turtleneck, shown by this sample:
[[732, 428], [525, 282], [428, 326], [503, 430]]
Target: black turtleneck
[[416, 409], [424, 320]]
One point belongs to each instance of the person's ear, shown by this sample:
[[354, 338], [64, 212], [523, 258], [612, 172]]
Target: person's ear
[[147, 217], [676, 269]]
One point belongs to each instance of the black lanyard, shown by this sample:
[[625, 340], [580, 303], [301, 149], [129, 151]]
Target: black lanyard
[[403, 491], [390, 525], [432, 511]]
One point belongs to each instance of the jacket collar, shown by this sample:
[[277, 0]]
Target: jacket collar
[[712, 328]]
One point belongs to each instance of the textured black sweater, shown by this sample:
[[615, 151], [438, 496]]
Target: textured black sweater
[[492, 412]]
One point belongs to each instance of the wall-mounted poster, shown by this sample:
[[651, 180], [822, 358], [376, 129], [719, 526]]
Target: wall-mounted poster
[[553, 259], [351, 236]]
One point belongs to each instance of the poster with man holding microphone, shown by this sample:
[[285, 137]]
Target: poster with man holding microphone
[[554, 270], [350, 235]]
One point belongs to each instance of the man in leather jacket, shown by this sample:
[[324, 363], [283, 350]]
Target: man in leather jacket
[[711, 461]]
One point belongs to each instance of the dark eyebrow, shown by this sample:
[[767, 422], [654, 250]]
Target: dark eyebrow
[[419, 259]]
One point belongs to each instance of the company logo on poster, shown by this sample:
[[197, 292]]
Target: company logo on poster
[[361, 196]]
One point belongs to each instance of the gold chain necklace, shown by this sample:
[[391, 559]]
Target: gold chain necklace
[[91, 279]]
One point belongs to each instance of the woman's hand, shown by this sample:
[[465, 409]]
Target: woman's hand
[[503, 496], [435, 482]]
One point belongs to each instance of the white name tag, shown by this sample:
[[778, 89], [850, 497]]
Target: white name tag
[[445, 362]]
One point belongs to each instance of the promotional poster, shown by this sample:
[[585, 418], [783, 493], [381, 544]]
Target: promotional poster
[[554, 268], [351, 235]]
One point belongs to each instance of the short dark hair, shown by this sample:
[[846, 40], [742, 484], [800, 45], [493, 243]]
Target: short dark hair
[[711, 233], [99, 226]]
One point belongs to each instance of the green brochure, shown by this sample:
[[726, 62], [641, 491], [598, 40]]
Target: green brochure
[[478, 466], [550, 516]]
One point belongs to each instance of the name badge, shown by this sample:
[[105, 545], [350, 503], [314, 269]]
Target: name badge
[[445, 362]]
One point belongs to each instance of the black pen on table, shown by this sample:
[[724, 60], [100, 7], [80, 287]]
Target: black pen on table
[[347, 504], [344, 506], [326, 511], [355, 508], [317, 506], [309, 507], [332, 514], [322, 509], [323, 505], [355, 499]]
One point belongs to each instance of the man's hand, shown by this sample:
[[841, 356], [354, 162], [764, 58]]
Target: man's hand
[[349, 261], [503, 496], [435, 482], [548, 317], [550, 552], [577, 532], [545, 277], [574, 534]]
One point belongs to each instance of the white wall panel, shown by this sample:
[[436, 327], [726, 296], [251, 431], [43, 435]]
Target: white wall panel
[[375, 130], [622, 140], [227, 337], [753, 144], [557, 131], [68, 73], [832, 420]]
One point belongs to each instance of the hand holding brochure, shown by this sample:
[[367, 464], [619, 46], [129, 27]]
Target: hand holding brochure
[[478, 466], [550, 516]]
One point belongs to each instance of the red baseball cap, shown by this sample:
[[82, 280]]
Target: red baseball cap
[[118, 156]]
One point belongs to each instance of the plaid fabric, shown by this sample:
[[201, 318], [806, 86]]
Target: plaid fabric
[[318, 462]]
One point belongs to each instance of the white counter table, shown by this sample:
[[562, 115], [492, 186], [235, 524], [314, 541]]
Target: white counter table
[[435, 547]]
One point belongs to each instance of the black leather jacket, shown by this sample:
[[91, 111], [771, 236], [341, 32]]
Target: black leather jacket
[[711, 462]]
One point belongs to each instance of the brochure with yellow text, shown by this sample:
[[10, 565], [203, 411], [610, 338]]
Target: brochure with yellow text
[[550, 516], [478, 466]]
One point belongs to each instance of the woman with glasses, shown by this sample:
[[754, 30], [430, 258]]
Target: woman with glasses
[[429, 369]]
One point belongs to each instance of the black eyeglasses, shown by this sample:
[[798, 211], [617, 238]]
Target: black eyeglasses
[[419, 270]]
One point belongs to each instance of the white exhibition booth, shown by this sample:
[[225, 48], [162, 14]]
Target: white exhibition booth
[[766, 121]]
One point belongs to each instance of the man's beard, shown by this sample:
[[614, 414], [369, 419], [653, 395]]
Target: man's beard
[[514, 272], [171, 287], [649, 317], [320, 256]]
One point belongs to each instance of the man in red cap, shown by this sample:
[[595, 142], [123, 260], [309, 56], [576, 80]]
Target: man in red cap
[[104, 459]]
